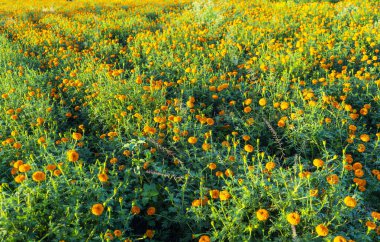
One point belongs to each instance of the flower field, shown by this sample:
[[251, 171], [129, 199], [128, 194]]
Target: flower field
[[184, 120]]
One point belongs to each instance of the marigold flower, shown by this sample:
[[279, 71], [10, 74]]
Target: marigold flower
[[214, 194], [72, 155], [350, 202], [361, 148], [339, 239], [318, 163], [262, 214], [192, 140], [77, 136], [204, 238], [117, 233], [262, 102], [270, 165], [370, 225], [97, 209], [281, 123], [20, 178], [24, 168], [151, 211], [38, 176], [322, 230], [293, 218], [149, 233], [103, 177], [248, 148], [224, 195], [364, 137], [332, 179], [375, 215], [212, 166], [135, 209]]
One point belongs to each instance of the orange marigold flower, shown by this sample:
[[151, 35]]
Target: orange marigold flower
[[322, 230], [51, 167], [20, 178], [149, 233], [359, 173], [38, 176], [97, 209], [361, 148], [262, 214], [293, 218], [370, 225], [204, 238], [117, 233], [72, 155], [350, 202], [151, 211], [248, 148], [332, 179], [214, 194], [212, 166], [375, 215], [103, 177], [281, 123], [135, 209]]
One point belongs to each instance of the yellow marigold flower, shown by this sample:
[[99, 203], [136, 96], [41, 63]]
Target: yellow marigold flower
[[262, 102], [192, 140], [284, 105], [20, 178], [97, 209], [313, 192], [270, 165], [224, 195], [24, 168], [318, 163], [77, 136], [204, 238], [339, 239], [262, 214], [350, 202], [293, 218], [38, 176], [322, 230], [72, 155]]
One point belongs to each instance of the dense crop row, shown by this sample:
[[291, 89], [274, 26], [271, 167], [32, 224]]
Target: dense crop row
[[179, 121]]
